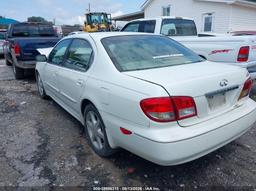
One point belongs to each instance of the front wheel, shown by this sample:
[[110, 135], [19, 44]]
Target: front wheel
[[95, 132]]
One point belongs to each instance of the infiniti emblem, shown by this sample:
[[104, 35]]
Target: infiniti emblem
[[223, 83]]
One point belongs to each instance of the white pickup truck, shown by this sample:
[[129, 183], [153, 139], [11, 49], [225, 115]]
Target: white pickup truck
[[236, 50]]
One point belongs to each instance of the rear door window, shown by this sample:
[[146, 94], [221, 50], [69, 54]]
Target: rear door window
[[79, 55]]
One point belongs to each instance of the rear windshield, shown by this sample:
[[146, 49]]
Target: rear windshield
[[140, 52], [178, 27], [32, 30], [2, 35]]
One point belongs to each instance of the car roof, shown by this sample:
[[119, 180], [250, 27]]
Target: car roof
[[101, 35]]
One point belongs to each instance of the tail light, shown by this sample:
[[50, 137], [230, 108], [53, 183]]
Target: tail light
[[185, 107], [246, 89], [167, 109], [243, 54], [17, 49]]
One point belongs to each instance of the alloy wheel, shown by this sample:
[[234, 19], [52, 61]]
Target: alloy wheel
[[95, 131]]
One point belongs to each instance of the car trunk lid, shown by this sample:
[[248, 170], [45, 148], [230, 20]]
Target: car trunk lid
[[215, 87]]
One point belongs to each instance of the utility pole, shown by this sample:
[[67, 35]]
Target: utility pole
[[89, 8]]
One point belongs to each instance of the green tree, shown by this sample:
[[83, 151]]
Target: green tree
[[38, 20]]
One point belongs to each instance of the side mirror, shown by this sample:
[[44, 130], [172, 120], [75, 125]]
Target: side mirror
[[41, 58]]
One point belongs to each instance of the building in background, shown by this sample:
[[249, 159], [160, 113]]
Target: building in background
[[218, 16], [121, 20]]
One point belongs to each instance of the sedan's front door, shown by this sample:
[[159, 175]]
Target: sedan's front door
[[55, 60], [74, 73]]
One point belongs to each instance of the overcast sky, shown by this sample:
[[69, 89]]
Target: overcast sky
[[65, 11]]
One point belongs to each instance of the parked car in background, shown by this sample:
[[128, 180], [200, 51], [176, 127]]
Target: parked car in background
[[147, 94], [22, 42], [2, 41], [235, 50]]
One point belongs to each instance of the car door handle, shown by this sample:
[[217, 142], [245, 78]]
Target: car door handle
[[55, 73], [80, 82]]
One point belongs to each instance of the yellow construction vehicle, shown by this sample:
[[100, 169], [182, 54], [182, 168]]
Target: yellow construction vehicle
[[97, 22]]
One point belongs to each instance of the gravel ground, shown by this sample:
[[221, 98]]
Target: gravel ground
[[42, 146]]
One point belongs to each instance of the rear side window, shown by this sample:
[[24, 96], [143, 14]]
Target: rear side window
[[79, 56], [178, 27], [57, 55], [141, 26], [32, 30]]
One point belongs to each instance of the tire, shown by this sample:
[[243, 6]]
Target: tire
[[18, 72], [40, 87], [95, 132], [7, 62]]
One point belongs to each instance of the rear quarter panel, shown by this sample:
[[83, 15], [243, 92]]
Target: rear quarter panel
[[118, 94]]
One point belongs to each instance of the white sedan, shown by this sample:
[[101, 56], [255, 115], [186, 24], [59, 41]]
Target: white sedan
[[147, 94]]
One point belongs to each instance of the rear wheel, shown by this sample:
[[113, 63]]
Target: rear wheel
[[95, 132], [18, 72]]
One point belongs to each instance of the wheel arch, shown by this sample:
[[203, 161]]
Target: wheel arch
[[84, 103]]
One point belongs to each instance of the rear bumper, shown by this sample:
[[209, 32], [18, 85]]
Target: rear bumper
[[187, 144], [193, 148], [26, 64]]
